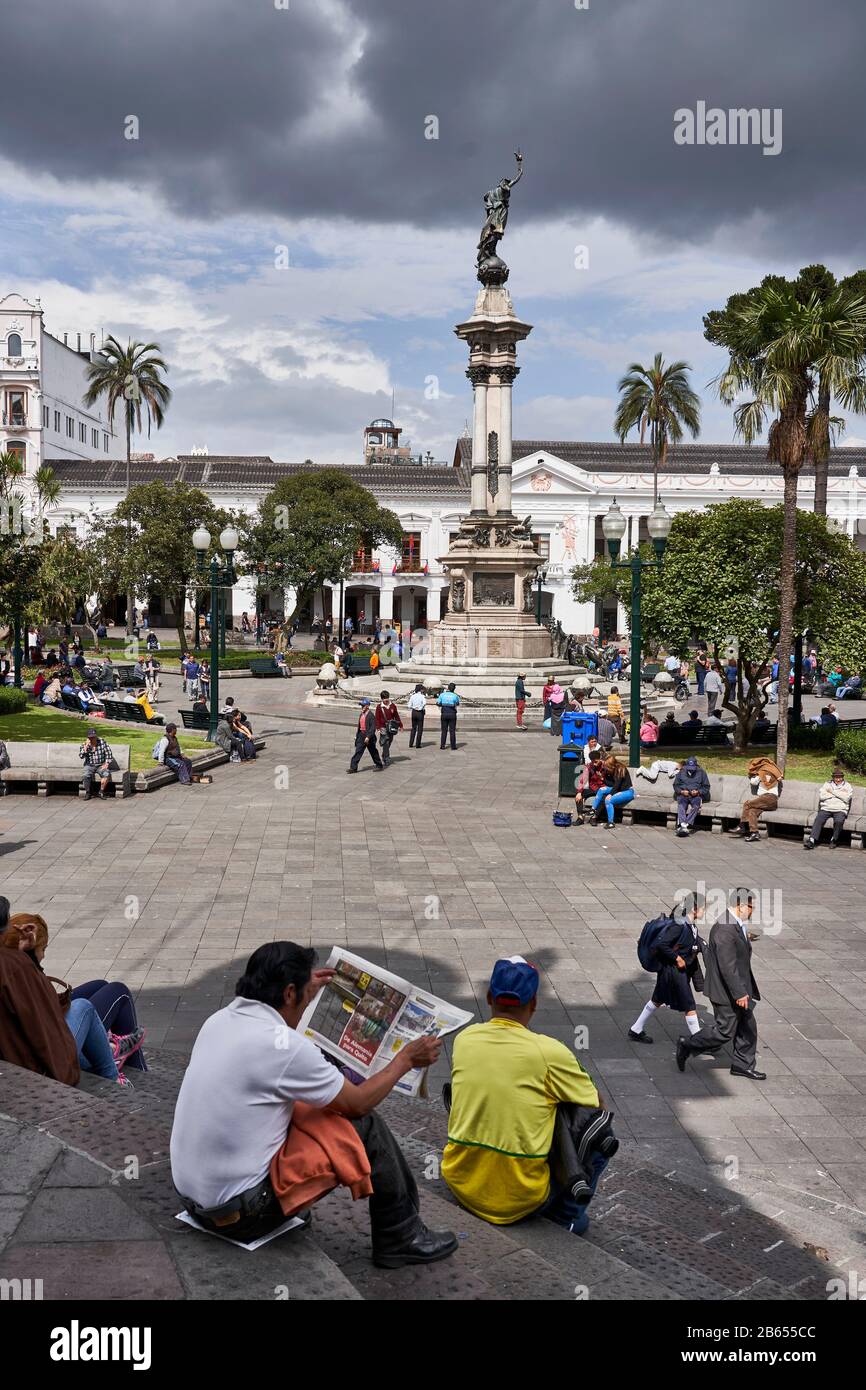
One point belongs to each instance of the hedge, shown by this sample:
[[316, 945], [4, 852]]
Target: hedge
[[806, 738], [12, 700], [850, 749]]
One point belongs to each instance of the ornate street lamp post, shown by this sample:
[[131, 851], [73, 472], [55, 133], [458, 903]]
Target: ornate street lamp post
[[613, 526], [220, 576], [540, 576]]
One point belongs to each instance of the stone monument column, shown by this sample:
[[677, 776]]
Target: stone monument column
[[506, 381], [480, 378]]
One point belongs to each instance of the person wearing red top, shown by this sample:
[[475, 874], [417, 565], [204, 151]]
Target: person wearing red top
[[387, 717]]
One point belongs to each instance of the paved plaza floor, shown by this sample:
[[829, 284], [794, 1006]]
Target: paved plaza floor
[[435, 868]]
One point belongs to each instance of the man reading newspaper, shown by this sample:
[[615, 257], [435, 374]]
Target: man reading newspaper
[[265, 1123]]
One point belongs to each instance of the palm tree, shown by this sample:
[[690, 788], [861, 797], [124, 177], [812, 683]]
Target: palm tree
[[781, 346], [824, 427], [660, 398], [133, 375]]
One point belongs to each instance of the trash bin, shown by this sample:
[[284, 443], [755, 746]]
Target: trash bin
[[570, 767], [577, 726]]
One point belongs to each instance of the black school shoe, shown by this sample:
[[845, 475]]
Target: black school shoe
[[643, 1036], [423, 1247]]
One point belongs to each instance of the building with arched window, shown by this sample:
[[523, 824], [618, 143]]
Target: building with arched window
[[42, 385]]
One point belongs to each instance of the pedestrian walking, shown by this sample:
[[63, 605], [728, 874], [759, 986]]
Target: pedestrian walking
[[615, 711], [676, 948], [365, 738], [714, 686], [417, 704], [732, 991], [521, 695], [193, 674], [448, 702], [388, 724], [702, 666]]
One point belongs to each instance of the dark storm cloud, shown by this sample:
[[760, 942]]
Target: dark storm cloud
[[237, 106]]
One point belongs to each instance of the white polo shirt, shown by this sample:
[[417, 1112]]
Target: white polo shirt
[[235, 1105]]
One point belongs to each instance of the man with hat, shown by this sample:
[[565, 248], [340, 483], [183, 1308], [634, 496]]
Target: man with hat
[[506, 1083], [365, 737], [521, 694], [96, 756]]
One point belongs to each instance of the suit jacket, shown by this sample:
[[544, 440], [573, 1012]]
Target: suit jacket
[[728, 964]]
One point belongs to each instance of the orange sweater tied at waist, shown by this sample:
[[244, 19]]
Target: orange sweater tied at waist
[[322, 1151]]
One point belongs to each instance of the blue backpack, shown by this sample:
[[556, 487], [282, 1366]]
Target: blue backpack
[[648, 941]]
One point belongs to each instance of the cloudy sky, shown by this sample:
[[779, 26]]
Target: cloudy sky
[[302, 124]]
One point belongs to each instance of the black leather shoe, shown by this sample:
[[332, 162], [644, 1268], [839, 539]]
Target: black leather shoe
[[682, 1053], [423, 1248], [643, 1036], [750, 1073]]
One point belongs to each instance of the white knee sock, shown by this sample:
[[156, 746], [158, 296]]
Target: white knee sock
[[693, 1023], [645, 1016]]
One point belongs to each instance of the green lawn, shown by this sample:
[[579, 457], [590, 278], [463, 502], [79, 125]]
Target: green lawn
[[800, 767], [43, 725]]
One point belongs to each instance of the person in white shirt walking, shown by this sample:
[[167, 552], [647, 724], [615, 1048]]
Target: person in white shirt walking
[[417, 705]]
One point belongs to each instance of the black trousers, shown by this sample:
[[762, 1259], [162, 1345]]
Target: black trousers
[[731, 1026], [449, 727], [360, 745], [417, 728], [838, 819], [394, 1203]]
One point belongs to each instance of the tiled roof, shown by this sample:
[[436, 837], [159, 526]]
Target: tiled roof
[[684, 458], [230, 472]]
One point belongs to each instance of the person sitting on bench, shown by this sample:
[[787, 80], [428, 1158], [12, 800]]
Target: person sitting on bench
[[96, 756], [256, 1090], [834, 803]]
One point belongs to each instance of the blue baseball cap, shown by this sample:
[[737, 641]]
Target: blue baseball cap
[[514, 981], [365, 702]]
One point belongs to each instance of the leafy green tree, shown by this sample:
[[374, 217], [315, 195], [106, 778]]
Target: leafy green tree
[[24, 539], [658, 398], [146, 544], [720, 583], [311, 526], [780, 344], [131, 376]]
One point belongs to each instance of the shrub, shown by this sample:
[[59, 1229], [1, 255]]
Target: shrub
[[850, 749], [806, 738], [12, 700]]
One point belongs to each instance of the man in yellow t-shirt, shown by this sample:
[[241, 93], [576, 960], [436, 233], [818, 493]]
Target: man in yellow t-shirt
[[506, 1083]]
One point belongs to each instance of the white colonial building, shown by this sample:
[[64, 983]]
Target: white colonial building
[[565, 487], [42, 385]]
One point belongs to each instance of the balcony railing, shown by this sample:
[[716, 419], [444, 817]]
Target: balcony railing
[[413, 566], [365, 565]]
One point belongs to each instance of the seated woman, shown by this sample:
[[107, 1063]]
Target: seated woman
[[168, 752], [649, 731], [618, 791], [39, 684], [100, 1016], [51, 695], [243, 732]]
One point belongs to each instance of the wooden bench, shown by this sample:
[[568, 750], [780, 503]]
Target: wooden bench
[[128, 711], [684, 735], [798, 804], [264, 666], [50, 763], [195, 719]]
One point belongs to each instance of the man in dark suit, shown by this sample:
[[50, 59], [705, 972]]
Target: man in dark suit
[[365, 737], [730, 986]]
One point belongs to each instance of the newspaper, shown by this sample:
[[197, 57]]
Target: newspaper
[[365, 1015]]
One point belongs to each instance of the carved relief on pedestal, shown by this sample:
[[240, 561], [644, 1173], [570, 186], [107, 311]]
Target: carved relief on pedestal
[[527, 593], [493, 590], [457, 596]]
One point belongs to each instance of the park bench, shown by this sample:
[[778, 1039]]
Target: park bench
[[358, 664], [72, 702], [684, 735], [798, 804], [127, 711], [47, 764], [264, 666], [195, 719]]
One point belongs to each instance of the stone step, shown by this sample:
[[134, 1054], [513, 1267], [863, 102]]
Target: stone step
[[666, 1236]]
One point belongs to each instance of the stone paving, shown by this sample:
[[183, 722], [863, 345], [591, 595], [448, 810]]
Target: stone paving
[[436, 867]]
